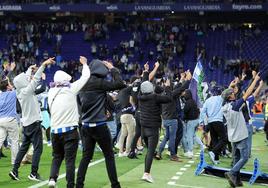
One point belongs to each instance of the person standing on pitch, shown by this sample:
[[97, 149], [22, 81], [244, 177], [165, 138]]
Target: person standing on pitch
[[92, 99], [64, 122], [31, 120]]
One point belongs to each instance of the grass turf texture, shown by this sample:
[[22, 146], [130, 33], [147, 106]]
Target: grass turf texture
[[130, 171]]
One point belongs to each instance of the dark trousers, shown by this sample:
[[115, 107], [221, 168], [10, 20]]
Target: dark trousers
[[64, 145], [102, 136], [266, 129], [179, 135], [150, 137], [137, 132], [31, 134], [218, 137]]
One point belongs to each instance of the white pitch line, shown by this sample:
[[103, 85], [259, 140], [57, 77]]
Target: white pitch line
[[175, 177], [187, 165], [64, 175], [179, 173], [186, 186], [171, 183], [183, 169], [190, 162]]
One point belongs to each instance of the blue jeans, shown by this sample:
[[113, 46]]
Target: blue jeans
[[189, 129], [240, 155], [112, 127], [171, 127], [250, 133]]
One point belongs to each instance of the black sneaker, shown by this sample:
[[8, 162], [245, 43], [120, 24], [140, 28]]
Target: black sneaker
[[14, 175], [158, 156], [35, 177], [239, 183], [132, 155], [231, 179]]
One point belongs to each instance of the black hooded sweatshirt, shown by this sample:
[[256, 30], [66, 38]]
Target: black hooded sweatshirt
[[93, 97], [191, 111]]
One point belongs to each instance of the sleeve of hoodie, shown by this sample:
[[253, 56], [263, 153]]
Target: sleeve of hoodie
[[163, 98], [178, 90], [30, 89], [79, 84], [145, 76], [117, 82]]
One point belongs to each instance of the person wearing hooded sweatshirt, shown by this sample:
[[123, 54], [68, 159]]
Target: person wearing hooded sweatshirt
[[64, 122], [31, 120], [190, 117], [92, 99], [150, 119]]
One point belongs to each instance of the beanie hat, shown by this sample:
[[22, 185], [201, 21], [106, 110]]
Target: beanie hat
[[147, 87]]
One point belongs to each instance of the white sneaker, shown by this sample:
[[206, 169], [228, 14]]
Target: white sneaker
[[190, 154], [140, 147], [186, 154], [49, 144], [124, 154], [51, 183], [212, 157], [147, 177]]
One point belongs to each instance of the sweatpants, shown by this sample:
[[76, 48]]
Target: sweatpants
[[64, 145], [10, 128], [90, 136], [31, 134], [218, 137], [127, 131]]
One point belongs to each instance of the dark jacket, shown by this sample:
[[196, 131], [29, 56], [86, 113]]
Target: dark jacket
[[136, 89], [123, 98], [191, 111], [110, 108], [150, 109], [169, 110], [92, 97]]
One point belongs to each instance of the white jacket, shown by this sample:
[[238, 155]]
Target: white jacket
[[62, 100]]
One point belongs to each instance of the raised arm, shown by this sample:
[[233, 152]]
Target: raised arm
[[37, 76], [79, 84], [257, 91], [117, 82], [251, 87], [153, 73]]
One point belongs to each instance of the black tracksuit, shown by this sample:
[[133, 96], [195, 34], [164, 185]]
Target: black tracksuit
[[92, 99], [150, 119]]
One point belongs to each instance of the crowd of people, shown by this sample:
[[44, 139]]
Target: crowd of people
[[101, 108], [128, 114]]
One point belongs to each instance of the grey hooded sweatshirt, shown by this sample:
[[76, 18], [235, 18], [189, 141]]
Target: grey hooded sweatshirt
[[25, 90]]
